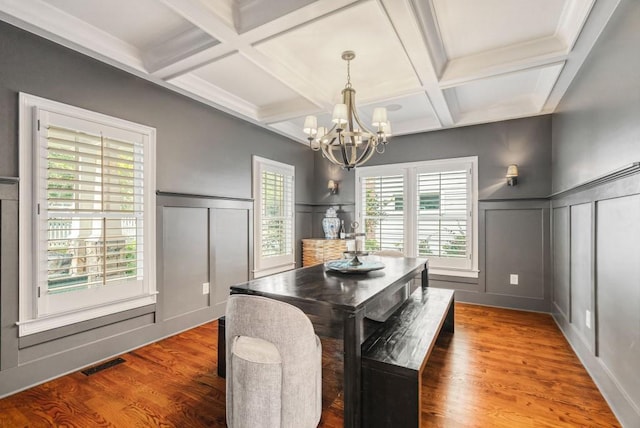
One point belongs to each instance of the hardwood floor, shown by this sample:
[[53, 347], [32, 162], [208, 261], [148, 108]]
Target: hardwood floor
[[505, 368], [501, 368]]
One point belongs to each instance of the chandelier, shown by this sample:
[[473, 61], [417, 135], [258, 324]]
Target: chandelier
[[348, 143]]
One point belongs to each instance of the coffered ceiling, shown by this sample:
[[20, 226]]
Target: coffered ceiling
[[433, 63]]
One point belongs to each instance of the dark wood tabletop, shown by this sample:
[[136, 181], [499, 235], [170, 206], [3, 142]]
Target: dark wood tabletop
[[346, 291]]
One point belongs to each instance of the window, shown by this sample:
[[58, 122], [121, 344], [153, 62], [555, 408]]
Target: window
[[424, 209], [383, 212], [273, 192], [87, 208]]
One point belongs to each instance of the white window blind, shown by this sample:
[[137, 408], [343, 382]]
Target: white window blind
[[274, 186], [94, 210], [383, 212], [443, 216], [277, 202], [87, 211]]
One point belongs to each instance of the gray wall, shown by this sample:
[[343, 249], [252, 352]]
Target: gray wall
[[199, 151], [595, 231], [596, 127], [513, 223]]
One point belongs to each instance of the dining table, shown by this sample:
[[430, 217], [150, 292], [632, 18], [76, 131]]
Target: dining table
[[346, 306]]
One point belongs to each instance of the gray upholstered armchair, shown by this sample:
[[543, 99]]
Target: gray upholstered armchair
[[274, 365]]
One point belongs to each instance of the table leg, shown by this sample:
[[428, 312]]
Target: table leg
[[425, 276], [353, 369], [450, 321], [222, 353]]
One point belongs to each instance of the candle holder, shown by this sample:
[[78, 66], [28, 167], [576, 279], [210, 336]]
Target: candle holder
[[355, 245]]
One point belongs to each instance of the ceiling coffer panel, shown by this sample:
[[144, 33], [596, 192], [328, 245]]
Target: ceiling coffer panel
[[380, 70], [515, 94], [238, 75]]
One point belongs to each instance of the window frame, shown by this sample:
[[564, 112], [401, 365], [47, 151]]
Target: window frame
[[32, 319], [274, 264], [410, 171]]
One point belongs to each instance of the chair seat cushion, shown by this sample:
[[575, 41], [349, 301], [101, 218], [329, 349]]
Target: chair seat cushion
[[256, 350]]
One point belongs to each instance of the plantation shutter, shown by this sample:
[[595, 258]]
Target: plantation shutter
[[274, 187], [382, 201], [443, 216], [91, 203], [423, 209], [277, 214]]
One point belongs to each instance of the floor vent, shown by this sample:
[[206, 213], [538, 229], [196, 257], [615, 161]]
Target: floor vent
[[100, 367]]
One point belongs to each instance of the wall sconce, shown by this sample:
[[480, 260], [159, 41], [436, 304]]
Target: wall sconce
[[512, 175], [332, 186]]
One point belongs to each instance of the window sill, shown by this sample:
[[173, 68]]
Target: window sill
[[28, 327], [273, 270], [453, 272]]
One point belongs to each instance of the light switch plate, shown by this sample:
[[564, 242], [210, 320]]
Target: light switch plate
[[513, 279], [205, 288], [587, 320]]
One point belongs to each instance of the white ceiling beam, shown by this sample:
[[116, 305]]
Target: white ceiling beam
[[306, 14], [573, 18], [424, 14], [196, 60], [521, 56], [204, 17], [185, 45], [404, 18], [216, 21], [598, 17]]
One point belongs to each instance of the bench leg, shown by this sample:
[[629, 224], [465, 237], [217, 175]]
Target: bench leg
[[425, 277], [222, 351], [449, 322]]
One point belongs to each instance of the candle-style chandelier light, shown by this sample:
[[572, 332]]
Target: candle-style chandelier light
[[348, 143]]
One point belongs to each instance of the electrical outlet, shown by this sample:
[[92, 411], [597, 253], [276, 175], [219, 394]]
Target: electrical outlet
[[587, 320], [513, 279], [205, 288]]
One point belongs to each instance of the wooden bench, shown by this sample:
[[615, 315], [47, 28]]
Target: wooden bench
[[394, 357]]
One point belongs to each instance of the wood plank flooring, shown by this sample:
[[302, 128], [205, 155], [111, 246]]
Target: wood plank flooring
[[501, 368]]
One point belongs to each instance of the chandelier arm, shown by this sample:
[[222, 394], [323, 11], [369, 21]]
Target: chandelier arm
[[343, 150], [327, 150], [363, 128], [332, 158], [348, 96], [366, 154], [328, 136], [333, 128], [324, 151], [354, 156], [353, 112]]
